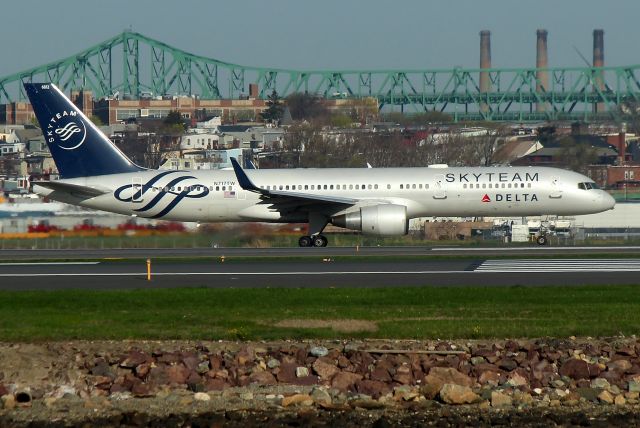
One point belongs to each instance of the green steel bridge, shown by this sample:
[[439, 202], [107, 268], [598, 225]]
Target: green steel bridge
[[134, 65]]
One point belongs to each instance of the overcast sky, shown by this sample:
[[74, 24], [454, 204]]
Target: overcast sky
[[327, 34]]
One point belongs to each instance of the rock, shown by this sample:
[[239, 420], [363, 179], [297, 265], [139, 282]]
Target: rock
[[621, 366], [262, 378], [477, 360], [297, 399], [576, 369], [321, 396], [8, 401], [102, 368], [319, 351], [192, 361], [202, 367], [177, 374], [430, 390], [515, 379], [403, 375], [345, 381], [442, 375], [134, 358], [215, 384], [500, 399], [634, 386], [507, 364], [606, 397], [405, 393], [273, 363], [373, 388], [489, 377], [457, 394], [325, 370], [201, 396], [600, 383], [521, 398], [619, 400], [588, 394], [380, 374], [141, 389], [302, 372]]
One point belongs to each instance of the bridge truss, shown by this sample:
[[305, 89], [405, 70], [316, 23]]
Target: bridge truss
[[134, 65]]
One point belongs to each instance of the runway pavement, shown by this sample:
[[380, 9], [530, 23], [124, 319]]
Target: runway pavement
[[318, 273], [39, 254]]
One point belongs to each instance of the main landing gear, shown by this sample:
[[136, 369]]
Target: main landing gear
[[313, 241]]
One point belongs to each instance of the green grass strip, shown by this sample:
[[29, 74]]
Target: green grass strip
[[402, 313]]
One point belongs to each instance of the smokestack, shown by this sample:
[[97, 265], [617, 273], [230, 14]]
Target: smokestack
[[542, 76], [598, 61], [485, 62]]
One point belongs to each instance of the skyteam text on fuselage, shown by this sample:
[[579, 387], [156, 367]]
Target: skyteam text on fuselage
[[378, 201]]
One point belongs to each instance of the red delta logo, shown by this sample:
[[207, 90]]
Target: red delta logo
[[486, 198]]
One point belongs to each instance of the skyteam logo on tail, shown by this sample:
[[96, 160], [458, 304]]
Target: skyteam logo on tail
[[67, 130]]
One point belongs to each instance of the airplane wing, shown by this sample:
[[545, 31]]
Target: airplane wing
[[73, 189], [287, 198]]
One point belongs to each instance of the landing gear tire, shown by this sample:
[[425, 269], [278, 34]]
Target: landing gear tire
[[542, 240], [319, 241], [305, 241]]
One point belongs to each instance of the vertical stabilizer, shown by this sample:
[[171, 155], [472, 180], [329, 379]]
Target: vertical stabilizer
[[78, 147]]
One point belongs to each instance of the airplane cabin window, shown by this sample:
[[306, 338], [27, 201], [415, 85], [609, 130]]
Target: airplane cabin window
[[529, 185], [325, 187], [464, 186], [224, 187], [331, 187], [509, 186], [357, 187], [426, 186], [522, 185], [375, 186], [388, 186], [484, 185], [401, 187], [503, 185], [420, 185], [279, 187], [413, 186], [350, 186], [312, 187], [369, 187], [217, 188], [306, 187]]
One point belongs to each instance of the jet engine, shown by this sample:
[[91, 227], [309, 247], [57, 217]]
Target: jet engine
[[382, 220]]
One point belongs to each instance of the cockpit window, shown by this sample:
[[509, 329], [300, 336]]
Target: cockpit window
[[588, 185]]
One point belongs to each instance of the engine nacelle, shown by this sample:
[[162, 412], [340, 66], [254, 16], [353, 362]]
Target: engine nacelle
[[382, 220]]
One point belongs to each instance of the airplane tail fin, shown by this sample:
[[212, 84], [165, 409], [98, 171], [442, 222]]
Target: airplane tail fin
[[78, 147]]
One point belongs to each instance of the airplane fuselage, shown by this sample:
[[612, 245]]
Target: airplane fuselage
[[216, 196]]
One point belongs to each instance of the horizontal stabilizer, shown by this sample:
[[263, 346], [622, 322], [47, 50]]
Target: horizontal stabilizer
[[72, 189]]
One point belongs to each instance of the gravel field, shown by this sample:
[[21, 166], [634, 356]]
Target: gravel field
[[533, 382]]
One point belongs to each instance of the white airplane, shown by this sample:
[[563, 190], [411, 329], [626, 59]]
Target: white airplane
[[377, 201]]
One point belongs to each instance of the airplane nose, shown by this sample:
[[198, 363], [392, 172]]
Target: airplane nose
[[607, 201]]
